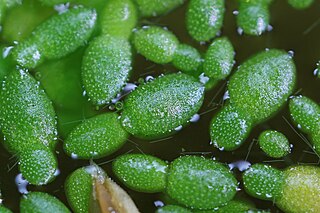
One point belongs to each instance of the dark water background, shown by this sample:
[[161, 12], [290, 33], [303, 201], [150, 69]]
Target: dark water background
[[294, 30]]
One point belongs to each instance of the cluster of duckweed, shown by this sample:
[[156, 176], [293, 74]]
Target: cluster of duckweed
[[97, 42]]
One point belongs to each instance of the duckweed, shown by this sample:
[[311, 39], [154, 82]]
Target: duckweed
[[219, 59], [301, 190], [140, 172], [236, 206], [274, 144], [257, 90], [74, 26], [253, 17], [88, 189], [204, 18], [27, 115], [38, 164], [119, 17], [29, 126], [96, 137], [229, 128], [187, 59], [106, 67], [263, 182], [300, 4], [262, 84], [155, 43], [78, 188], [295, 189], [39, 202], [157, 108], [306, 115], [200, 183], [173, 209], [150, 8], [54, 2], [4, 209]]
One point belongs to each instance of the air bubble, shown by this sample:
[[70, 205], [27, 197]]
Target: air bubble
[[226, 95], [269, 28], [240, 31], [178, 128], [38, 75], [241, 165], [195, 118], [203, 79], [221, 148], [291, 53], [116, 99], [56, 173], [119, 105], [111, 107], [6, 51], [149, 78], [22, 184], [158, 203], [129, 87], [74, 156], [62, 8]]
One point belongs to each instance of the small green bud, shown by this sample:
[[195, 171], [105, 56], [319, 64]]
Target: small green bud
[[274, 144], [229, 128], [219, 59]]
